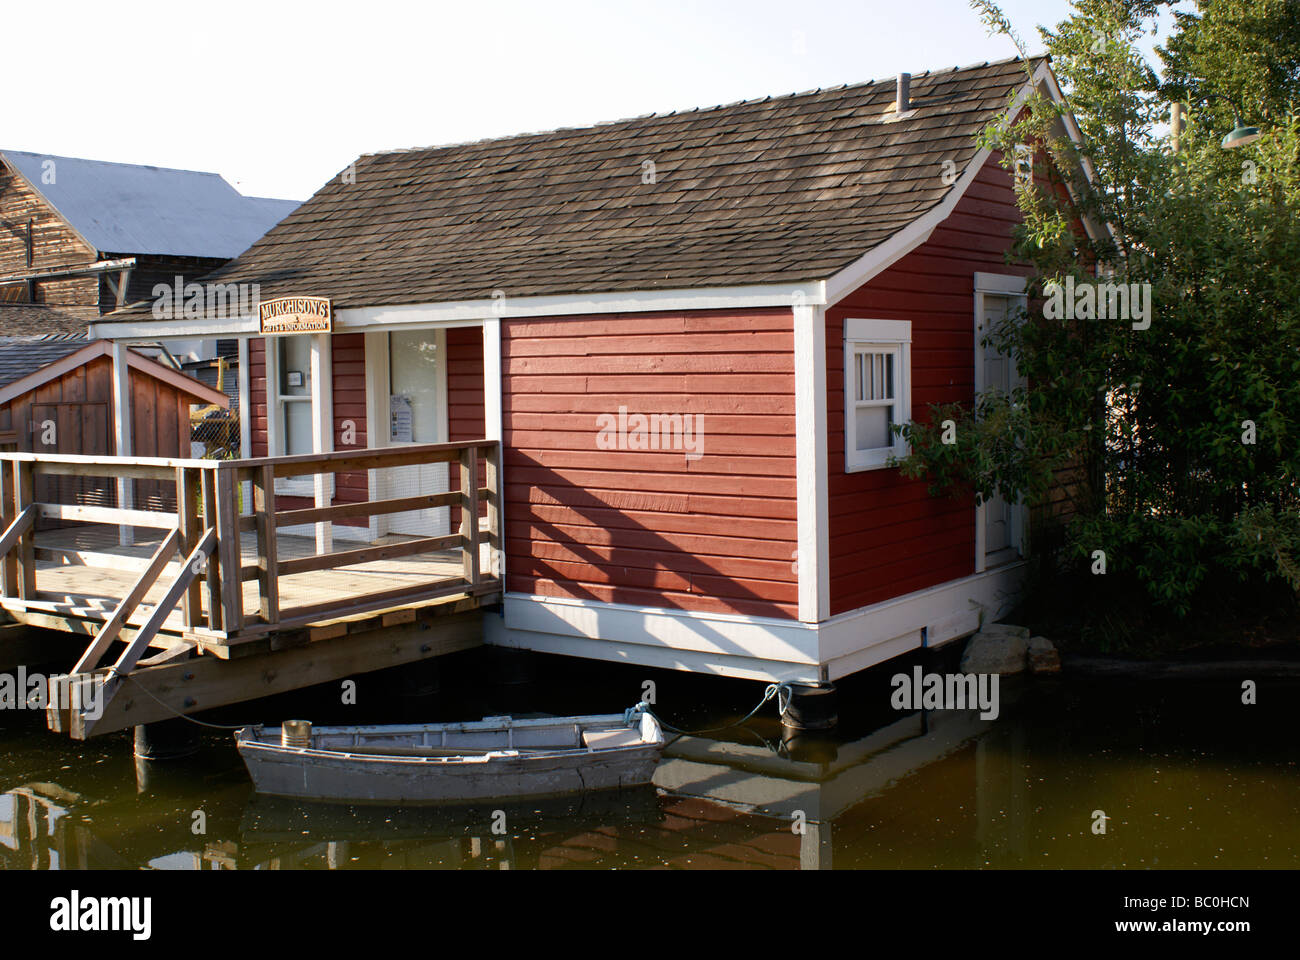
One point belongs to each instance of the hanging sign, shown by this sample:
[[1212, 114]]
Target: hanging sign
[[295, 315]]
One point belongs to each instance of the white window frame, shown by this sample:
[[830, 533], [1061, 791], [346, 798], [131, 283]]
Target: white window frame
[[879, 336], [1013, 288], [304, 486]]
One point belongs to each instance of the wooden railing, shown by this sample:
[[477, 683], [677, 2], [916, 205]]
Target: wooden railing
[[207, 524]]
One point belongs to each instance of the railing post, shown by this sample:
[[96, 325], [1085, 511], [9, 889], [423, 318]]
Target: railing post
[[187, 522], [8, 510], [268, 563], [492, 480], [215, 619], [469, 515], [25, 493], [232, 587]]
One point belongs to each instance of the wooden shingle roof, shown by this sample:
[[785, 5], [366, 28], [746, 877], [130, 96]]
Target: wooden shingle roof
[[786, 189]]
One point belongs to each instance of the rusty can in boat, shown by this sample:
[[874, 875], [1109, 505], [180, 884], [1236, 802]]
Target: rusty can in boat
[[295, 733]]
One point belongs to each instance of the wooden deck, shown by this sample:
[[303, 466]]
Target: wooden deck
[[77, 582], [199, 579]]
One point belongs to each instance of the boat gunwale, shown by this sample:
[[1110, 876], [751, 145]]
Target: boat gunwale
[[246, 740]]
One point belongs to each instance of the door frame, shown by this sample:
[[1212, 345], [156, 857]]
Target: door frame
[[1001, 285], [378, 385]]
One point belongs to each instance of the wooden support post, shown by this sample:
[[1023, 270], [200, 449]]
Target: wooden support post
[[187, 514], [122, 434], [8, 511], [25, 487], [469, 515], [268, 573], [232, 588], [215, 569]]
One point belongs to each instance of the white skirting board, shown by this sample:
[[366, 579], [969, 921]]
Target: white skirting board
[[755, 648]]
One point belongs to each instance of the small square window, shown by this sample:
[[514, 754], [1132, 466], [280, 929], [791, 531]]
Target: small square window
[[877, 388]]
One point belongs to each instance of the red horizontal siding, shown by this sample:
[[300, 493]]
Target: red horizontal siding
[[651, 527], [888, 537], [466, 412]]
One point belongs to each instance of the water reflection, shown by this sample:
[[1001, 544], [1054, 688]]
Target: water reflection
[[1185, 776]]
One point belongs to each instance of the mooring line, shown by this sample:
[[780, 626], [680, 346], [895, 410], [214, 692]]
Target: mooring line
[[169, 709], [779, 690]]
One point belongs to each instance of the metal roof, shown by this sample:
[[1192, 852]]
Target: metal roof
[[128, 208]]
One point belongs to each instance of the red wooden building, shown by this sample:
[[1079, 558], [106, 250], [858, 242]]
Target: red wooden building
[[690, 334]]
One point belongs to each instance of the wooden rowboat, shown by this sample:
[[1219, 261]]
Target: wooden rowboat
[[495, 758]]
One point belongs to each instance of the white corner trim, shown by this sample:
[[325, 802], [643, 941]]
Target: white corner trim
[[811, 482], [492, 428]]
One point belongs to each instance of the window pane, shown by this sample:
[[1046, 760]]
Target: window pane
[[297, 427], [413, 373], [872, 425], [295, 366], [889, 377]]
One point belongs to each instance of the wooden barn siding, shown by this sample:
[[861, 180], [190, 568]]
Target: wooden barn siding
[[717, 534], [888, 537], [54, 244]]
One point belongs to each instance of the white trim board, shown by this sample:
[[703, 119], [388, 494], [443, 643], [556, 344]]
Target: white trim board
[[756, 648], [811, 480], [475, 312]]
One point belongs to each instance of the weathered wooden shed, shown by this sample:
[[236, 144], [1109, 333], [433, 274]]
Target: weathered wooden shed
[[66, 404]]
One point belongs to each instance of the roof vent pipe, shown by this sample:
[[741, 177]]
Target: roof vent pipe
[[904, 99]]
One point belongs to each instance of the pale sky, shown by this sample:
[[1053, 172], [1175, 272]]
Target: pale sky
[[279, 96]]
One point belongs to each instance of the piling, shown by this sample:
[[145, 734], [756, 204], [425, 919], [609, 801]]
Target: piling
[[811, 706], [166, 740]]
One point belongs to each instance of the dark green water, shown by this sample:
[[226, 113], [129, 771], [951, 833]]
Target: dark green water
[[1184, 773]]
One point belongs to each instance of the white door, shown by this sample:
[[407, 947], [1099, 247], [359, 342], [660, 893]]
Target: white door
[[417, 413], [997, 372]]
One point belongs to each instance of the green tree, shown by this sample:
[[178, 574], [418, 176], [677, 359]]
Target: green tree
[[1179, 439]]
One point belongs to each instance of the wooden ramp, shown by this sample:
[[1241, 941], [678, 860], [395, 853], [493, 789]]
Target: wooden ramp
[[212, 583]]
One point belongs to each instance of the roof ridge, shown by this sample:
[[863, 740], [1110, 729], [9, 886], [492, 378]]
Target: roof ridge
[[116, 163], [770, 98]]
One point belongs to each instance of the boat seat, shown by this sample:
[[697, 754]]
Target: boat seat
[[608, 739]]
